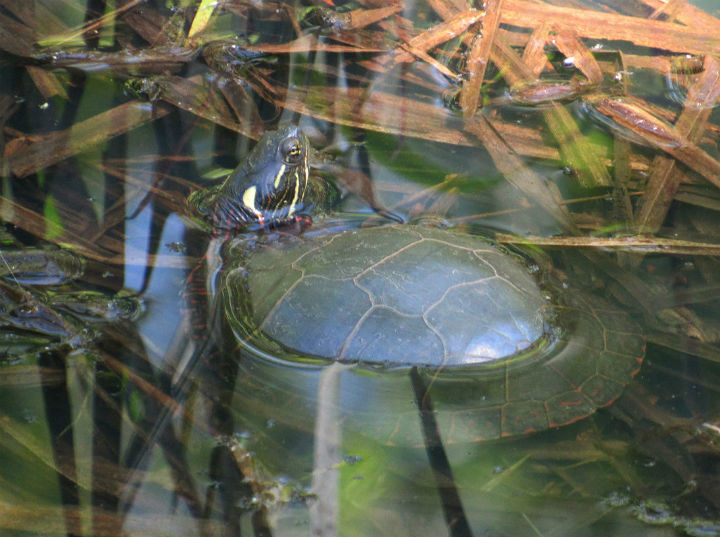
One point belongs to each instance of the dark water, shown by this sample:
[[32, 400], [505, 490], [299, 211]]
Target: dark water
[[132, 429]]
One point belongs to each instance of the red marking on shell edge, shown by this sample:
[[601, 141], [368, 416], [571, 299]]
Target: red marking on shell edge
[[571, 403], [569, 422], [611, 401], [510, 435]]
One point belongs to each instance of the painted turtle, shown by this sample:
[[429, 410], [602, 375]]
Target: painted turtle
[[503, 353]]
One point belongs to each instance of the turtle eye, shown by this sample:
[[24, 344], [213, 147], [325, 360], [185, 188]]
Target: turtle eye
[[292, 150]]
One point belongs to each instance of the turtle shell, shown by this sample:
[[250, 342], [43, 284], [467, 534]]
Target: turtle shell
[[504, 355]]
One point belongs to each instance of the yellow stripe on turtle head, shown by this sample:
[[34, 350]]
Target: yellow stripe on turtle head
[[248, 200], [296, 192], [278, 177], [307, 179]]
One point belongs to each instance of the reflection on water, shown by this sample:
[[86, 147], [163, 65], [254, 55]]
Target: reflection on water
[[589, 128]]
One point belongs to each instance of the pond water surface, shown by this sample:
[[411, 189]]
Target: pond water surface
[[592, 153]]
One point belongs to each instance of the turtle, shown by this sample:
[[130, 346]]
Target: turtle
[[268, 188], [505, 352]]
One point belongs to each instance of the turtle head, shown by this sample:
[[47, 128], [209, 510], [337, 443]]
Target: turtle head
[[266, 189]]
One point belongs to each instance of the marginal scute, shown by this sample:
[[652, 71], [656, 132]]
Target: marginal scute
[[625, 343], [597, 388], [617, 367], [543, 383], [575, 371], [524, 417], [567, 407], [472, 425]]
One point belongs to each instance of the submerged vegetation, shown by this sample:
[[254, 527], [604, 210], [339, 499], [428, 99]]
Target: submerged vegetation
[[584, 132]]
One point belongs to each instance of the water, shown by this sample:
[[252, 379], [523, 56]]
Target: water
[[130, 433]]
